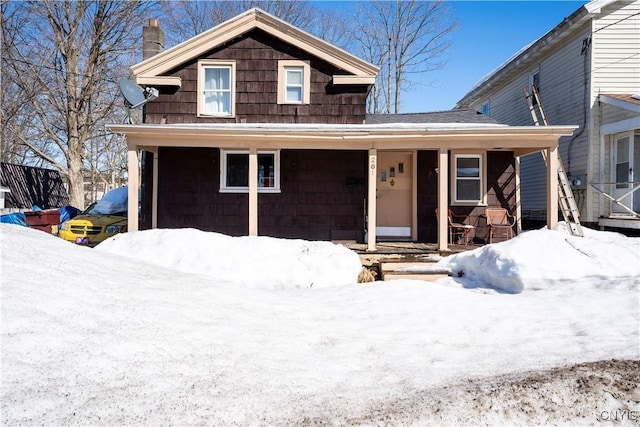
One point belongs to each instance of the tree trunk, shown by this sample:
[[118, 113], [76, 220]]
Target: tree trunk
[[76, 183]]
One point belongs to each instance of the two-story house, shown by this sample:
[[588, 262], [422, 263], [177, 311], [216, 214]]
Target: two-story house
[[261, 128], [587, 70]]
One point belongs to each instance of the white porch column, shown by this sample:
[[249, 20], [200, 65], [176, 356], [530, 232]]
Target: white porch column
[[371, 208], [443, 198], [154, 196], [552, 188], [253, 191], [133, 184]]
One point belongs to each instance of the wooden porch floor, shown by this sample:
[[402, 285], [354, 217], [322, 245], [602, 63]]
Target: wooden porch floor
[[403, 251]]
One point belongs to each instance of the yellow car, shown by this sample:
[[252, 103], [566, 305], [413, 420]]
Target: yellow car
[[90, 228]]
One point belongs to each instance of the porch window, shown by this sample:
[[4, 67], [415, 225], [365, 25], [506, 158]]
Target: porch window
[[216, 87], [294, 81], [468, 178], [234, 171]]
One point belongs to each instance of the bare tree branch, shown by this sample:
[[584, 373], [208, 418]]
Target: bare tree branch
[[404, 38], [65, 58]]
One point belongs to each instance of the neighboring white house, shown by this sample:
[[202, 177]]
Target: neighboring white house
[[587, 70]]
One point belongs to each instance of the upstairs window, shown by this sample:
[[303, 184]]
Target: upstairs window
[[467, 174], [294, 82], [294, 87], [216, 88]]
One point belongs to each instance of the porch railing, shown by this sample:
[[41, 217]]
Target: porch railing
[[634, 186]]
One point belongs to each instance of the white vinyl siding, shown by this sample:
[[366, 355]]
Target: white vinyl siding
[[616, 49]]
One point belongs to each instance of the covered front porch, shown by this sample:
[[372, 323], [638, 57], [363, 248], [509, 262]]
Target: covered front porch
[[370, 140]]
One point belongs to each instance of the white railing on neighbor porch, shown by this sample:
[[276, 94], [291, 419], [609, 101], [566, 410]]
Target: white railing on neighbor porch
[[600, 188]]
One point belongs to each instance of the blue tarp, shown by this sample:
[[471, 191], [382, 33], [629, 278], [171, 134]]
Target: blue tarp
[[113, 202], [17, 218], [68, 212]]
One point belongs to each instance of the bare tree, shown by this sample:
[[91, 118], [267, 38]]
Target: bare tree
[[64, 58], [186, 18], [16, 112], [404, 38]]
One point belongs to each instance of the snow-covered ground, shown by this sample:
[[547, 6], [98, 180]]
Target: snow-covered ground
[[192, 328]]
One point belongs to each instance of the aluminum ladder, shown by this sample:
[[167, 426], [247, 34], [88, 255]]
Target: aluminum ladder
[[567, 202]]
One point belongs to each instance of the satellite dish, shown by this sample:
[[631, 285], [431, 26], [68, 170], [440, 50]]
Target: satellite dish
[[135, 95]]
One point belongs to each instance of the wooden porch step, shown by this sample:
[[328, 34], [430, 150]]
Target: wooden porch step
[[412, 270]]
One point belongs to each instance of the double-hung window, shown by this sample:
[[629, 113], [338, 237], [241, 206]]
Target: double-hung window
[[294, 81], [468, 185], [234, 171], [294, 84], [216, 88]]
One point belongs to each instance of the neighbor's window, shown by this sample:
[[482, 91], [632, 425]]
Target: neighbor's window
[[534, 80], [486, 108], [468, 178], [294, 82], [234, 173], [216, 88]]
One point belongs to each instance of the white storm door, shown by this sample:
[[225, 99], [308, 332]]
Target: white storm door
[[622, 173]]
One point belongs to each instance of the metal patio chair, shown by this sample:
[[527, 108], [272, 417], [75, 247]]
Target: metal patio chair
[[459, 230], [499, 220]]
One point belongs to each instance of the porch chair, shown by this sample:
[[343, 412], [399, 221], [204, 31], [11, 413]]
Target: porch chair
[[458, 229], [498, 219]]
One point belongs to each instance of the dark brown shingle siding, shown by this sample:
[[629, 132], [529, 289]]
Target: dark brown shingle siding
[[256, 54]]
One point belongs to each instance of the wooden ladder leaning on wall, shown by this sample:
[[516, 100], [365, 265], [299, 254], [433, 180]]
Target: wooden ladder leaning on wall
[[567, 202]]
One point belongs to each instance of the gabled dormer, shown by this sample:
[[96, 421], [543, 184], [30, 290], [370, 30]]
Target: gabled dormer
[[256, 68]]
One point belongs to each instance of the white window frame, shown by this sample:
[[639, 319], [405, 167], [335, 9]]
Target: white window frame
[[283, 66], [223, 172], [481, 201], [209, 63]]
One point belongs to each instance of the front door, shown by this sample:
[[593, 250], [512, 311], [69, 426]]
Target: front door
[[394, 193], [626, 156]]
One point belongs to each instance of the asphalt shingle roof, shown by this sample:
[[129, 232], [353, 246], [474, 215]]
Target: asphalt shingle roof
[[451, 116]]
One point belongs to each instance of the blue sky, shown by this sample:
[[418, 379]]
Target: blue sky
[[490, 32]]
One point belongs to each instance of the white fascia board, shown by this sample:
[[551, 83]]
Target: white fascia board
[[159, 81], [595, 6], [354, 80], [620, 103], [621, 126]]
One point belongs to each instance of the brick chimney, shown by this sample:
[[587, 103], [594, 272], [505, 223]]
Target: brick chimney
[[152, 39]]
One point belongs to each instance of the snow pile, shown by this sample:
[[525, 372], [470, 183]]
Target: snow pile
[[253, 261], [93, 338], [542, 259]]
